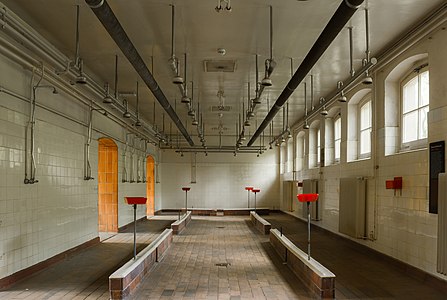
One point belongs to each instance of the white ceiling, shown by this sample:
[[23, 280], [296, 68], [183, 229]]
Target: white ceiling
[[200, 31]]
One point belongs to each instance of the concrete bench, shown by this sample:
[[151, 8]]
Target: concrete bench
[[315, 276], [127, 278], [180, 224], [260, 224]]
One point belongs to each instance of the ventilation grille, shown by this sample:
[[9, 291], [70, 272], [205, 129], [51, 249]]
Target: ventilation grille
[[218, 128], [220, 108], [219, 65]]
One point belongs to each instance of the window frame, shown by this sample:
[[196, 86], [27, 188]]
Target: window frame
[[410, 75], [318, 145], [337, 159], [365, 100]]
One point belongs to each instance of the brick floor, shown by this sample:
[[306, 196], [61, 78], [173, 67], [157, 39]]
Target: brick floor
[[86, 275], [359, 274], [189, 269]]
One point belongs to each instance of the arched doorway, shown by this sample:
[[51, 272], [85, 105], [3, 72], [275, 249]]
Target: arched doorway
[[150, 185], [107, 185]]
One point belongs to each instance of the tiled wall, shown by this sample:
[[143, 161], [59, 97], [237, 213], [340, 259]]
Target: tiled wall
[[398, 224], [221, 180], [38, 221]]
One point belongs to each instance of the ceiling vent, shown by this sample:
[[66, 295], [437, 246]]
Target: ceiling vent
[[219, 65], [219, 128], [218, 108]]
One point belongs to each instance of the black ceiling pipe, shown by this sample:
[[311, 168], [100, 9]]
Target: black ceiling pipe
[[108, 19], [344, 12]]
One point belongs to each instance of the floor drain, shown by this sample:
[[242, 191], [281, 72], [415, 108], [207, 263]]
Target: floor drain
[[223, 264], [220, 227]]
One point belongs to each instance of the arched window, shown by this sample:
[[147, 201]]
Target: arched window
[[414, 107], [318, 146], [300, 150], [337, 138], [365, 125], [406, 104], [359, 125]]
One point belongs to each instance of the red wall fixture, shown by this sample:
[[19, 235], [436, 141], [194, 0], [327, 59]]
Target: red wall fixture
[[395, 184]]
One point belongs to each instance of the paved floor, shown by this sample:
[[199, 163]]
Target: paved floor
[[359, 275], [195, 265], [85, 275], [221, 258]]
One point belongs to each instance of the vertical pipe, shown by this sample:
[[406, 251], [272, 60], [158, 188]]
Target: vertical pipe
[[351, 52], [88, 174], [305, 99], [134, 231], [125, 159], [184, 78], [116, 77], [173, 33], [255, 202], [271, 33], [137, 110], [27, 128], [312, 91], [77, 38], [308, 230], [367, 52], [257, 77]]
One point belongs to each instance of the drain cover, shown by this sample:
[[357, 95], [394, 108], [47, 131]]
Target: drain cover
[[223, 264], [220, 227]]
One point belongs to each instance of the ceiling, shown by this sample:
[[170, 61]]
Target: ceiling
[[200, 31]]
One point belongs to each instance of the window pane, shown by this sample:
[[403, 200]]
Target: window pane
[[411, 92], [365, 141], [424, 89], [423, 128], [410, 127], [337, 129], [365, 116], [337, 149], [318, 146]]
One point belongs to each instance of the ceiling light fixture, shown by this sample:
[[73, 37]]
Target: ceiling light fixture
[[306, 125], [126, 114], [107, 99], [342, 97]]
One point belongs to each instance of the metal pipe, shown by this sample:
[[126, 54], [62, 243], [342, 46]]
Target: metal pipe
[[32, 122], [344, 12], [76, 62], [60, 114], [116, 78], [351, 53], [132, 152], [124, 179], [271, 33], [305, 99], [25, 35], [105, 14], [87, 170], [173, 32], [346, 87], [26, 180], [367, 52]]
